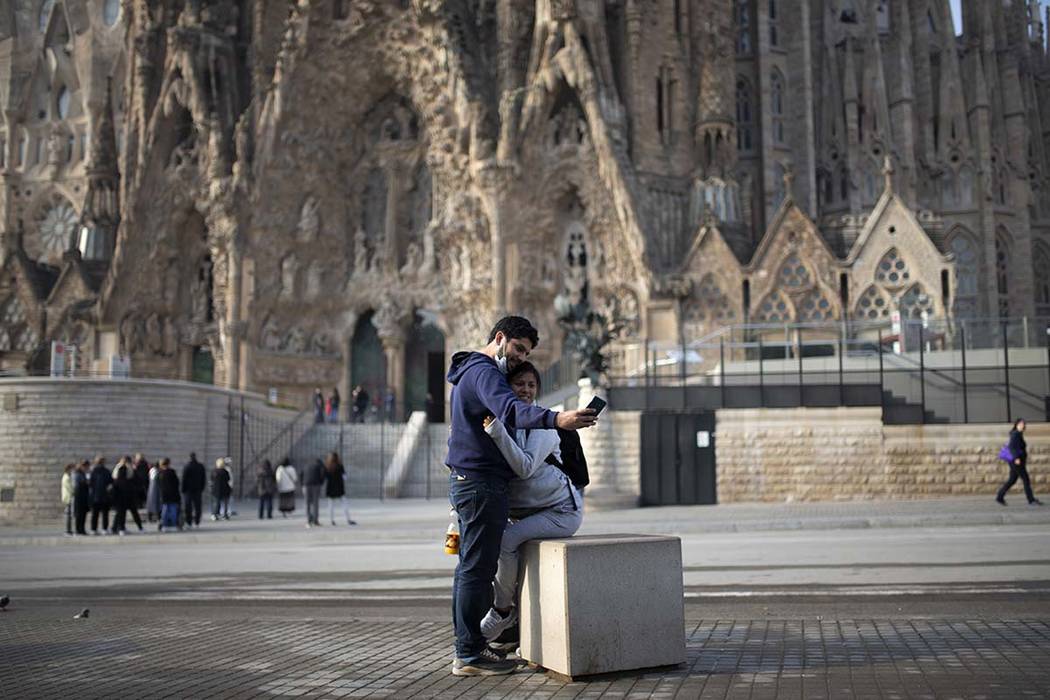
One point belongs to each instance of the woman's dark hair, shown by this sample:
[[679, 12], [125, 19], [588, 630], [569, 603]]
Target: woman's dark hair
[[524, 368], [515, 327], [1017, 422]]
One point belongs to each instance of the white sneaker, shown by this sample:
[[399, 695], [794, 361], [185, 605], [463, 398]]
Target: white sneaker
[[493, 624]]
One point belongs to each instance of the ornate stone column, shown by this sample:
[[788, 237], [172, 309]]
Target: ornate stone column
[[389, 321]]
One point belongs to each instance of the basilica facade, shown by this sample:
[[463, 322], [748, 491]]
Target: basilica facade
[[290, 194]]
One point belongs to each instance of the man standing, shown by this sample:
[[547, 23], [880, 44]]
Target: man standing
[[318, 401], [479, 477], [101, 494], [81, 496], [194, 479], [313, 480], [221, 490], [360, 403]]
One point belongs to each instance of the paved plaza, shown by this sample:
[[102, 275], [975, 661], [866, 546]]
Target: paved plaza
[[935, 599]]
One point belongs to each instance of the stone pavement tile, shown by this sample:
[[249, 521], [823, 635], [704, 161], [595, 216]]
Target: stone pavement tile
[[753, 659]]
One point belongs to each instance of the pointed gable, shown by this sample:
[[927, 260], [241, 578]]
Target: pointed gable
[[793, 259], [895, 253]]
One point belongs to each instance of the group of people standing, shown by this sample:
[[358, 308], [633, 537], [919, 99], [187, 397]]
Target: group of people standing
[[326, 410], [328, 477], [134, 484], [509, 483]]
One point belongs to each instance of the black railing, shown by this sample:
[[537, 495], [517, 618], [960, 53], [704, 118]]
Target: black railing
[[917, 372]]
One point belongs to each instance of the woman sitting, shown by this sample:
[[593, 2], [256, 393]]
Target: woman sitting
[[543, 502]]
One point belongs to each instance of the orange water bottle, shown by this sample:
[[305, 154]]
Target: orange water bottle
[[452, 534]]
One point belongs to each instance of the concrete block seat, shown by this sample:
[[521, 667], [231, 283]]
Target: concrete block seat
[[602, 604]]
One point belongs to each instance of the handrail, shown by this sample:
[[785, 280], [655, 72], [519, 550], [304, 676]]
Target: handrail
[[280, 435]]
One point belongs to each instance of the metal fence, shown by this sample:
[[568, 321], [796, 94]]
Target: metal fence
[[367, 449], [922, 371]]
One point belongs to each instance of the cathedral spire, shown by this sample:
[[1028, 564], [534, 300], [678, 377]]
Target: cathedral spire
[[98, 222]]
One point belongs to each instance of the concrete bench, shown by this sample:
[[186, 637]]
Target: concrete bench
[[603, 603]]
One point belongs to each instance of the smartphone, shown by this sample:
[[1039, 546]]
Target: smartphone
[[597, 404]]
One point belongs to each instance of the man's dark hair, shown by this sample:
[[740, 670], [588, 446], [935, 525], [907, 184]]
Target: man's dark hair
[[515, 327], [525, 367]]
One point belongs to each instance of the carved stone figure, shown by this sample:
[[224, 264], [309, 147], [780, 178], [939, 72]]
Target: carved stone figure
[[309, 221], [314, 282], [360, 252], [296, 342], [413, 259], [154, 334], [171, 337], [289, 272], [271, 337]]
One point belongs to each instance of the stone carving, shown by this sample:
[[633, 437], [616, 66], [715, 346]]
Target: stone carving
[[433, 217], [314, 283], [152, 334], [296, 341], [309, 221], [360, 252], [413, 259], [289, 272], [201, 292], [389, 323]]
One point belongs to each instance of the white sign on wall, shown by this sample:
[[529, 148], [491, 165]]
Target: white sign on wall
[[58, 358], [703, 438]]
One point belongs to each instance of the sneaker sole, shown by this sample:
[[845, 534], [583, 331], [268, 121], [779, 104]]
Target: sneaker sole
[[475, 671]]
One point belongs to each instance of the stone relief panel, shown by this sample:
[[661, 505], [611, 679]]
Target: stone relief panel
[[278, 339], [149, 334]]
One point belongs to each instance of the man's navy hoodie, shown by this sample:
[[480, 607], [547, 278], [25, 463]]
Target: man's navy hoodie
[[479, 389]]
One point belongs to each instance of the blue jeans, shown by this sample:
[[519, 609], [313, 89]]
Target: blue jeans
[[169, 515], [482, 508]]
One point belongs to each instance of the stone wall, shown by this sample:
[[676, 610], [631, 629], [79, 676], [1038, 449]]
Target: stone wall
[[46, 423], [815, 454], [613, 449]]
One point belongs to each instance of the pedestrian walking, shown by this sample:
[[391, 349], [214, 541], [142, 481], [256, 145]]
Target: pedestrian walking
[[313, 481], [333, 406], [221, 490], [194, 479], [335, 478], [318, 406], [170, 496], [153, 502], [101, 484], [67, 495], [266, 486], [125, 496], [287, 485], [1015, 453], [81, 497]]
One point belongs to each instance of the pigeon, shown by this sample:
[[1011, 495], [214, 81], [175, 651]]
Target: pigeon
[[3, 603], [82, 615]]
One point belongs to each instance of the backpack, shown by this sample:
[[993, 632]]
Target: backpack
[[573, 462]]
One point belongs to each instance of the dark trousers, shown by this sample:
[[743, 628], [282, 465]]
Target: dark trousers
[[220, 505], [95, 510], [313, 504], [1017, 471], [120, 518], [191, 506], [80, 516], [482, 508], [266, 505], [69, 518]]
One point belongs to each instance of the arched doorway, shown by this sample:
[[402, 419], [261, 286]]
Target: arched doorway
[[367, 361], [425, 368]]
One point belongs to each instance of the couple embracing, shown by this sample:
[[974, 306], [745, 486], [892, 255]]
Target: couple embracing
[[500, 452]]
